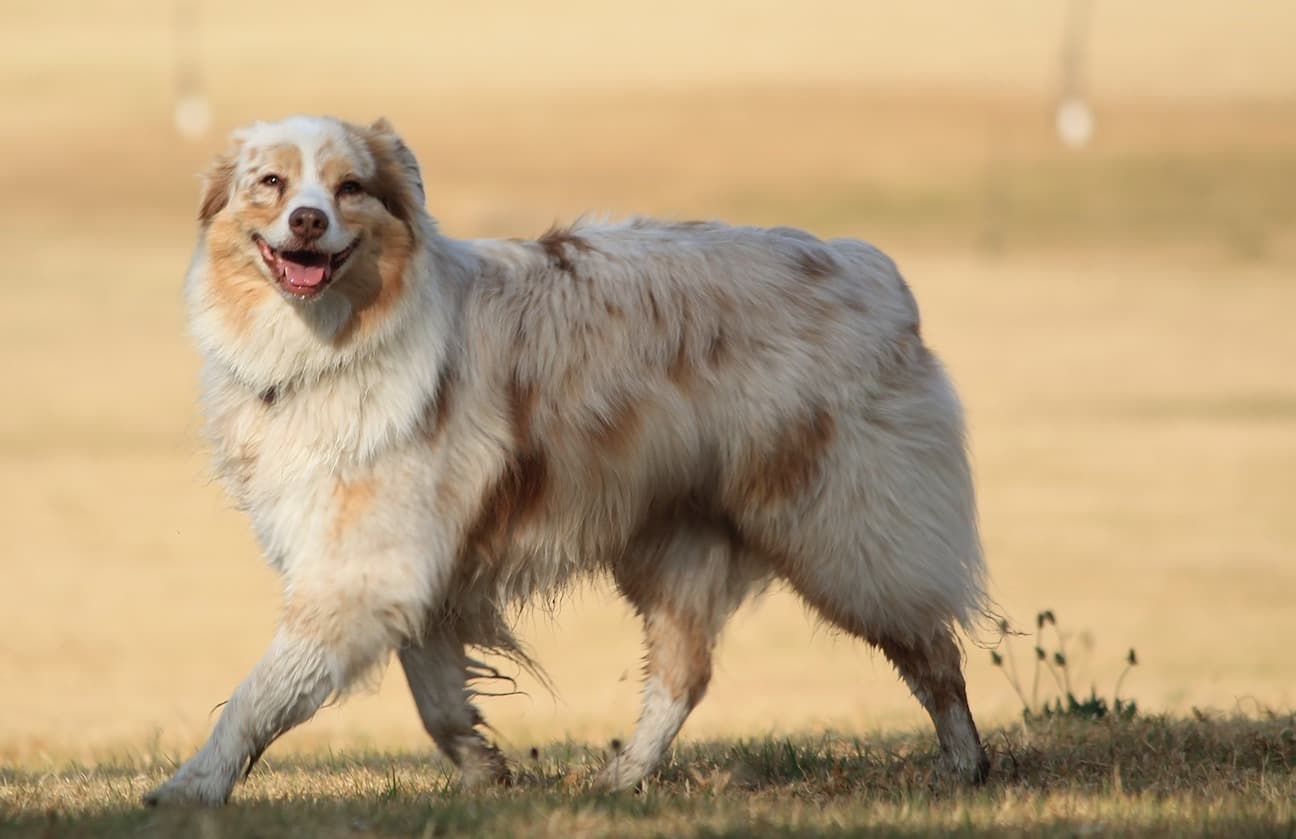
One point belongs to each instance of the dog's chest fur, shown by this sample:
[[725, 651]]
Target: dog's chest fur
[[289, 452]]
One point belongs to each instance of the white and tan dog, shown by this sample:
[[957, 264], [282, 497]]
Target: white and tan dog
[[426, 432]]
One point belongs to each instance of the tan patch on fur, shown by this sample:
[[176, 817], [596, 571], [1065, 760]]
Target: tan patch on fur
[[218, 185], [336, 164], [614, 434], [352, 501], [793, 462], [555, 241], [679, 653], [283, 160], [236, 284]]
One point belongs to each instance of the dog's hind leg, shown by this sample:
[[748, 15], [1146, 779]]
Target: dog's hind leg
[[684, 588], [437, 672], [932, 668], [930, 663], [326, 642]]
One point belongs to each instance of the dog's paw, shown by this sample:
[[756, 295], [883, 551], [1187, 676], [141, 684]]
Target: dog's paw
[[190, 787], [487, 770], [970, 770], [621, 772]]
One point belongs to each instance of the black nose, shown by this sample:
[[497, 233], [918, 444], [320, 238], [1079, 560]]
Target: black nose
[[308, 223]]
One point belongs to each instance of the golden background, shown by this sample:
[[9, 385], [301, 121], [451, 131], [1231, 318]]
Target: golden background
[[1119, 319]]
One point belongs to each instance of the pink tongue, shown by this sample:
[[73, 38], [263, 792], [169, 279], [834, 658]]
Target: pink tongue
[[303, 275]]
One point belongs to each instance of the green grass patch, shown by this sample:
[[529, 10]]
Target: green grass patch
[[1150, 775]]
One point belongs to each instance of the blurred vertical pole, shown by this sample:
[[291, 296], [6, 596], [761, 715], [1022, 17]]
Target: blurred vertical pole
[[192, 110], [1075, 119]]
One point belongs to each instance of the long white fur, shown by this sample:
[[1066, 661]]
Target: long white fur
[[772, 386]]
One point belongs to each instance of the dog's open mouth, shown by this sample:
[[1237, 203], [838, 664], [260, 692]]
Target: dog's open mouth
[[303, 273]]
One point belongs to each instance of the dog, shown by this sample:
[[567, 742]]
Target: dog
[[426, 432]]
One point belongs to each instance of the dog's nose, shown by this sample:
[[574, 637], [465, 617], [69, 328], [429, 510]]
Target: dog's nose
[[308, 223]]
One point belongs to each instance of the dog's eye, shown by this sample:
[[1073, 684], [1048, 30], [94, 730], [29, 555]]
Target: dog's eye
[[350, 188], [272, 180]]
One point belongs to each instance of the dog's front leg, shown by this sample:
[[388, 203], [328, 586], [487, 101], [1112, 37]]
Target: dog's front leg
[[325, 642], [437, 672], [285, 688]]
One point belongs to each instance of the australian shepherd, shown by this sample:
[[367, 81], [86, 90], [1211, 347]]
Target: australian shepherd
[[426, 432]]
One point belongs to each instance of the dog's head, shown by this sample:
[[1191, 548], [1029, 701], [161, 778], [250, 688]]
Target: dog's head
[[312, 203]]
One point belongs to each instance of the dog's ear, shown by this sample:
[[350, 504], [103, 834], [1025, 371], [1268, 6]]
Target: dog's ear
[[218, 184], [397, 180]]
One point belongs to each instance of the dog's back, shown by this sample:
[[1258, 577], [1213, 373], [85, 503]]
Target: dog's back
[[774, 384]]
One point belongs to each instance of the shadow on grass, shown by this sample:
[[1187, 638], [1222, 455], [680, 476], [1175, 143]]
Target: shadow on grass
[[1165, 775]]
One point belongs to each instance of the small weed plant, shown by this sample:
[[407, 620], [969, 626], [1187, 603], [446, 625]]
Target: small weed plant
[[1065, 703]]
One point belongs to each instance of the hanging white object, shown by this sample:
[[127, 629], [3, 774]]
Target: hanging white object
[[1075, 122], [192, 115]]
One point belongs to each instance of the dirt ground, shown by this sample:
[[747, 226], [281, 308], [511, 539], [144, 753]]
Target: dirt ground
[[1118, 320]]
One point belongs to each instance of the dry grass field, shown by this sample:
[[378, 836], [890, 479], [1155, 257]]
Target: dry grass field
[[1119, 320]]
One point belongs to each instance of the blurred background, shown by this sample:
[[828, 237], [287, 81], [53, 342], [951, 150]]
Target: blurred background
[[1094, 202]]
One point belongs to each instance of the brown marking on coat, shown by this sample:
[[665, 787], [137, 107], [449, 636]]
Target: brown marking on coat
[[375, 283], [284, 160], [654, 311], [513, 500], [521, 406], [437, 414], [793, 462], [819, 317], [555, 241], [613, 310], [680, 370], [817, 263], [519, 491], [717, 347], [396, 181], [615, 433], [218, 186], [352, 500], [236, 284], [933, 668], [679, 653], [341, 162]]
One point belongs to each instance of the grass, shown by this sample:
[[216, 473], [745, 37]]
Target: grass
[[1156, 775]]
